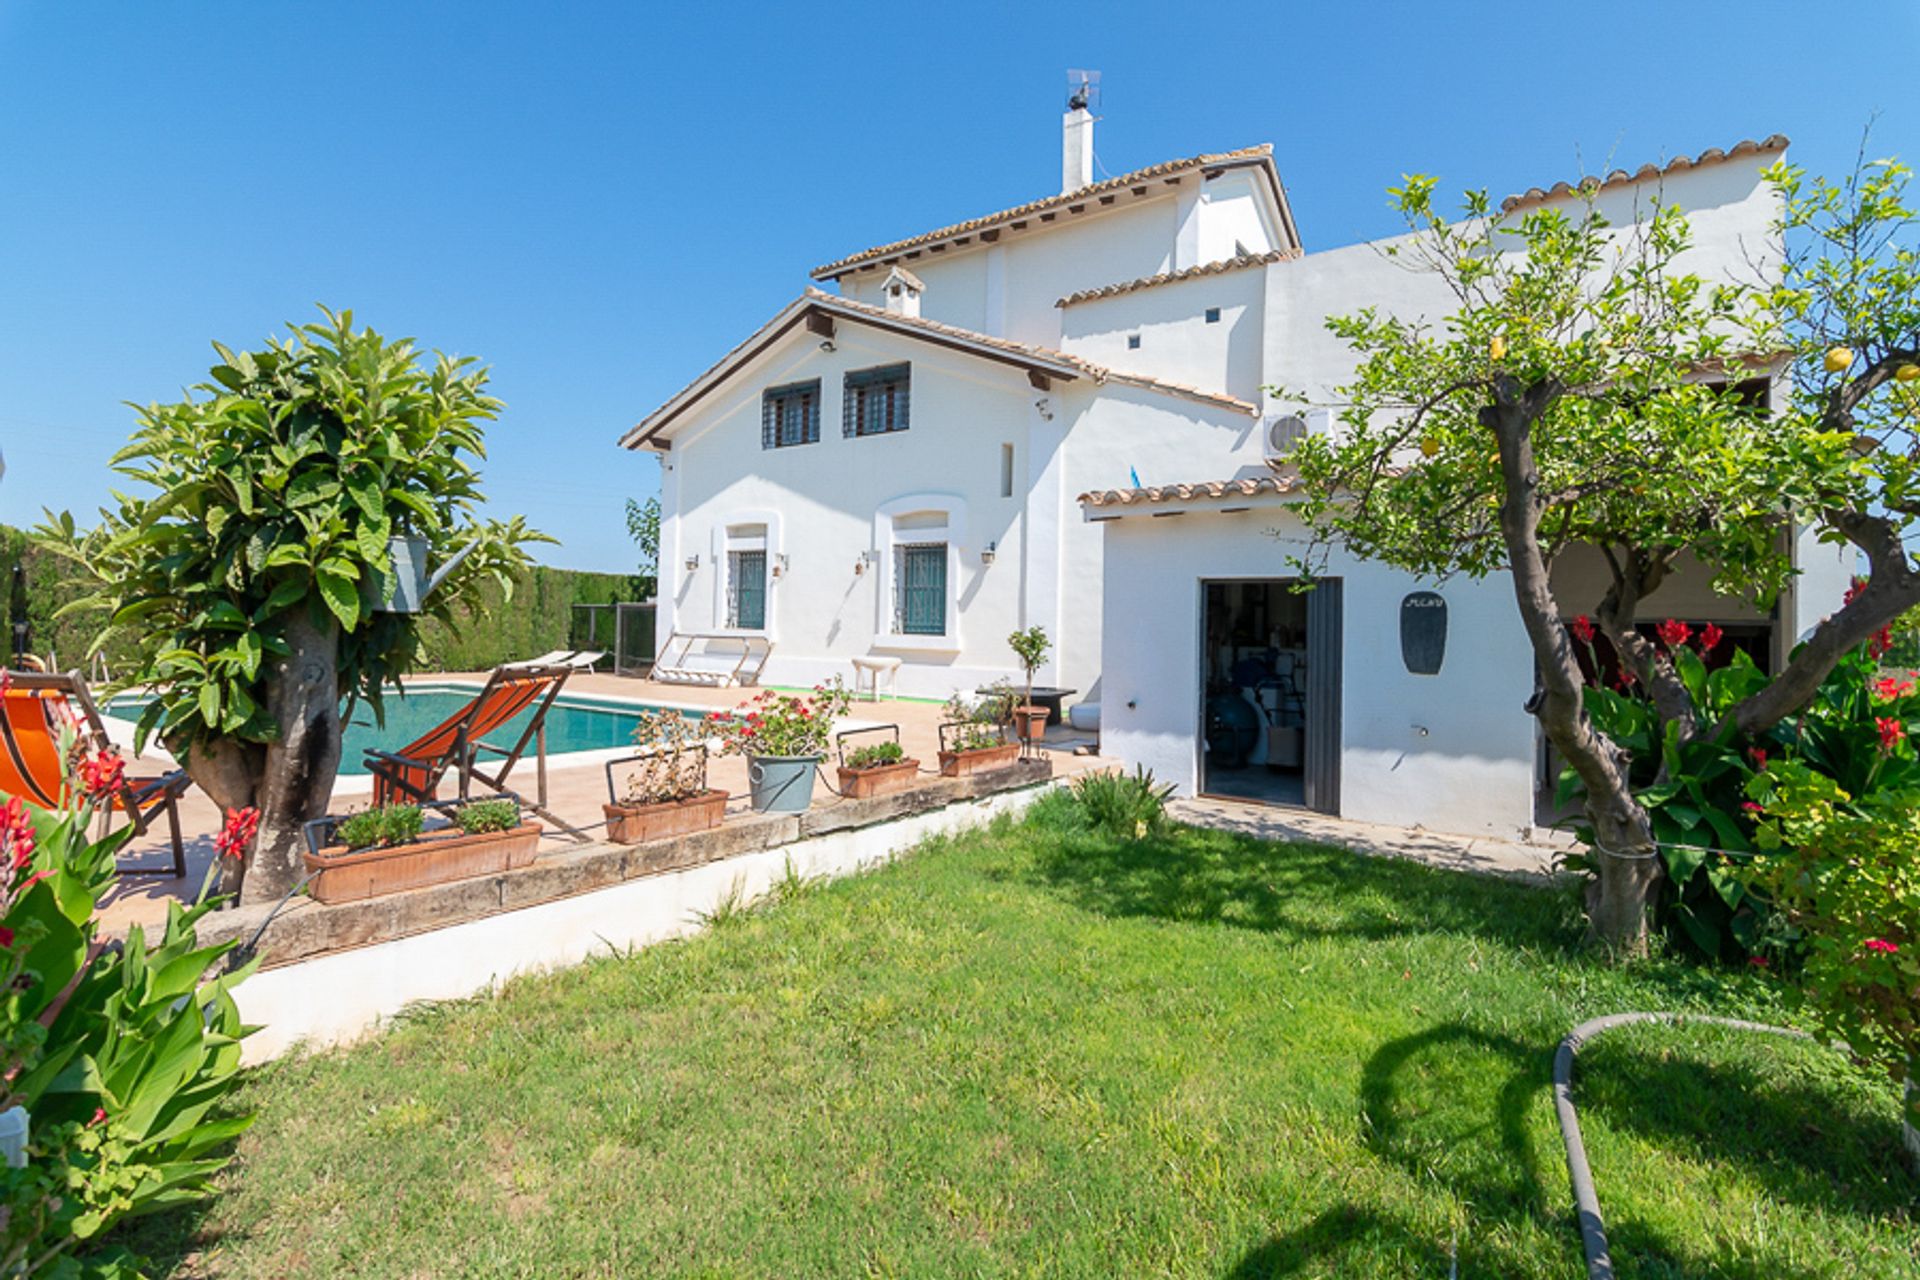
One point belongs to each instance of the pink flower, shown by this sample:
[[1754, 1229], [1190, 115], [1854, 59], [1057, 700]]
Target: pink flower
[[1583, 628], [1748, 806], [1674, 633], [1710, 638], [1892, 732], [99, 1117], [1758, 962], [1882, 945]]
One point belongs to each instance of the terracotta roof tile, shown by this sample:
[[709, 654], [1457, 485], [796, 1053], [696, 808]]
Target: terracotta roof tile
[[1239, 262], [1252, 486], [1620, 177], [1108, 187]]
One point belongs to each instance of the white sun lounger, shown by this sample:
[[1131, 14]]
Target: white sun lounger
[[578, 659]]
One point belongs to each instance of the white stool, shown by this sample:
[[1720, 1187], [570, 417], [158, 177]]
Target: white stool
[[869, 670]]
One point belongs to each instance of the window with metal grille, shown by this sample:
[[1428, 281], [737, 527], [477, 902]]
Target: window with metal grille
[[875, 401], [790, 415], [920, 588], [747, 590]]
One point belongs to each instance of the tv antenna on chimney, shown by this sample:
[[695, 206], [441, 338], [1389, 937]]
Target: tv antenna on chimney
[[1083, 89]]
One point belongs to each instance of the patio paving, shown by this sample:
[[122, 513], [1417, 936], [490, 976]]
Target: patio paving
[[576, 789]]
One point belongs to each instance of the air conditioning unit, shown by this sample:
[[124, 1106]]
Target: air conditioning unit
[[1278, 434]]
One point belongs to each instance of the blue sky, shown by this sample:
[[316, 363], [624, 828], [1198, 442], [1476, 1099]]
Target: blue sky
[[599, 200]]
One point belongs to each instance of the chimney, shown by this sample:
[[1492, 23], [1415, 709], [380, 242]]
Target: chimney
[[1076, 145], [901, 292]]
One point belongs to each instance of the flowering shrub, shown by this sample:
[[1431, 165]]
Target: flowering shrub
[[119, 1055], [783, 724], [1842, 871], [674, 765]]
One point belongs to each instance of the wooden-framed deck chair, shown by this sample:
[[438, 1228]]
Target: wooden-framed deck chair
[[35, 710], [416, 771]]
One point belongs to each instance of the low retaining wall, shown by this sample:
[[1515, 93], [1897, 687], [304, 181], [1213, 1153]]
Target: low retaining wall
[[330, 974]]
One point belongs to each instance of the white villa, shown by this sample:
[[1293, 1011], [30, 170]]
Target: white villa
[[1055, 415]]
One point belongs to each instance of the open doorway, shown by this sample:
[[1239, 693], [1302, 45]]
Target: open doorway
[[1270, 692]]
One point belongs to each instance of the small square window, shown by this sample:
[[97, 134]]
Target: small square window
[[1133, 342], [875, 401], [790, 415], [1213, 315]]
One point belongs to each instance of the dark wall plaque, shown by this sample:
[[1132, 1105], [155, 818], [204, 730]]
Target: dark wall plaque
[[1423, 632]]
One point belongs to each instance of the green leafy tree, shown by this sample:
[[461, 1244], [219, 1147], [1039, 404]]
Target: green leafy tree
[[1585, 389], [643, 526], [249, 579]]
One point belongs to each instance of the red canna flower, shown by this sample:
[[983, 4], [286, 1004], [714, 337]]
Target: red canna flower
[[1748, 806], [103, 774], [1758, 962], [1674, 633], [1881, 642], [1853, 590], [1882, 945], [1583, 628], [1710, 637], [1892, 732], [6, 937], [236, 837], [1759, 758]]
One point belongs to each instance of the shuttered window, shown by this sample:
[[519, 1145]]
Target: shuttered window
[[875, 401], [790, 415], [747, 590], [920, 588]]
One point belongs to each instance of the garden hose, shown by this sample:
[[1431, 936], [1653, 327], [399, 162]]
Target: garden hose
[[1593, 1231]]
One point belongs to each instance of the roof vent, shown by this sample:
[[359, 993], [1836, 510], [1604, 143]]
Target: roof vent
[[901, 292]]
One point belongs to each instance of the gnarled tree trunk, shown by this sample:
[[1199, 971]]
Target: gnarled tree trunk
[[291, 780], [1626, 863]]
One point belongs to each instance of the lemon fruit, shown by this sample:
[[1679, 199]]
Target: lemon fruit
[[1839, 359]]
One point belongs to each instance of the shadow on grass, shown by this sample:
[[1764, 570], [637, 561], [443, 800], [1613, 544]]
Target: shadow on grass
[[1340, 1239], [1298, 892]]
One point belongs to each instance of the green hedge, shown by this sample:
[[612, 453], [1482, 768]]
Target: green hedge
[[538, 617]]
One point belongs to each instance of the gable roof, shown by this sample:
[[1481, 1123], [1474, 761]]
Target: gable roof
[[816, 307], [1135, 185], [1620, 177]]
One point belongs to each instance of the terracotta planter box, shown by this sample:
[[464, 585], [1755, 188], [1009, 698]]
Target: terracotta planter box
[[435, 858], [1030, 722], [878, 780], [958, 764], [639, 823]]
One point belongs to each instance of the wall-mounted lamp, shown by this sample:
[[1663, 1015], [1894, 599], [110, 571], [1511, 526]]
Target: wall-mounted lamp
[[1046, 412], [780, 565], [693, 563], [987, 552], [826, 345], [860, 565]]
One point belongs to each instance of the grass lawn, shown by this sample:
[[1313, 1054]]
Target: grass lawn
[[1024, 1052]]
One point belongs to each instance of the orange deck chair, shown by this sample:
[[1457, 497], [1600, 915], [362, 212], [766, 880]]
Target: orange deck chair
[[414, 773], [36, 708]]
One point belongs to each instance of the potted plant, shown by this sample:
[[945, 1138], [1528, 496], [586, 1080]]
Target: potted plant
[[665, 791], [1030, 647], [784, 737], [389, 849], [975, 738], [875, 768]]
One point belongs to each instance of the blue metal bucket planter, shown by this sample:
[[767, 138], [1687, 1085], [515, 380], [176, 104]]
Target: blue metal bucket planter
[[781, 784]]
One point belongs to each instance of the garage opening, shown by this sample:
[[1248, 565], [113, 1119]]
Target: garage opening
[[1270, 692]]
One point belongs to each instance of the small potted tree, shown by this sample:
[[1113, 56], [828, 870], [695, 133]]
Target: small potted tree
[[784, 737], [664, 790], [1030, 647], [876, 768], [388, 849], [974, 738]]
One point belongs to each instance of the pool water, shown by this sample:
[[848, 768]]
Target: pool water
[[573, 723]]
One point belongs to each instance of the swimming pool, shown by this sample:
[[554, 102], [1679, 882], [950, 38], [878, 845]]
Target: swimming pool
[[575, 723]]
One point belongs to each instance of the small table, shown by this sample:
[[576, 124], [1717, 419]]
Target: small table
[[874, 668], [1043, 696]]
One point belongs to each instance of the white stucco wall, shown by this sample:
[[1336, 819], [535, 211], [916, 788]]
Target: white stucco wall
[[1009, 288], [1470, 772], [1176, 341]]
